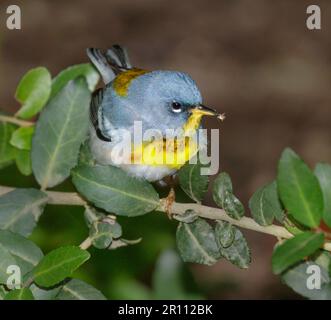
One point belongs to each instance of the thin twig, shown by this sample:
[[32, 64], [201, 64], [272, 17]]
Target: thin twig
[[19, 122], [86, 243], [72, 198]]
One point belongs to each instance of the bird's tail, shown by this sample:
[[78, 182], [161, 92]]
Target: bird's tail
[[111, 63]]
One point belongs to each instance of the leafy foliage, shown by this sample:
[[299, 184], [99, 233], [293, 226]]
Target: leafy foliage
[[71, 73], [17, 250], [225, 234], [103, 184], [265, 205], [323, 174], [19, 294], [237, 252], [102, 233], [23, 162], [33, 92], [78, 290], [192, 182], [55, 148], [197, 243], [22, 138], [20, 210], [295, 249], [58, 265], [299, 189], [61, 129], [224, 197], [7, 151], [297, 277]]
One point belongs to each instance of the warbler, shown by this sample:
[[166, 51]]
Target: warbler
[[163, 101]]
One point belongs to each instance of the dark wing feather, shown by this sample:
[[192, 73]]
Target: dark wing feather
[[96, 101], [118, 59], [99, 60]]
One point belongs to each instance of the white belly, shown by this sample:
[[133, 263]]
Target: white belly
[[102, 153]]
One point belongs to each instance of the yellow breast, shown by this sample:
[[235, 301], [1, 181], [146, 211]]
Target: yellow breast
[[173, 153]]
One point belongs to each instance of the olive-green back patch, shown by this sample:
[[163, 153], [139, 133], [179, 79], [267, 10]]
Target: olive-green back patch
[[122, 81]]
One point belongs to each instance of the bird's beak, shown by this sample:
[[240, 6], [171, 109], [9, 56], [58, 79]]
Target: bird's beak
[[206, 111]]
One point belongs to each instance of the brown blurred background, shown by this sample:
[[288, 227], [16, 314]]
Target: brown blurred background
[[254, 60]]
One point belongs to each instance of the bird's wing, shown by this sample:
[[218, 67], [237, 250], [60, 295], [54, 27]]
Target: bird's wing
[[111, 63], [96, 101], [118, 58], [100, 62]]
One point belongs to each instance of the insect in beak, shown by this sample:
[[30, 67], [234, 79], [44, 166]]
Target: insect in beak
[[206, 111]]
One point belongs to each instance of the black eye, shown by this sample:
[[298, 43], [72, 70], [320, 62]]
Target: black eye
[[176, 107]]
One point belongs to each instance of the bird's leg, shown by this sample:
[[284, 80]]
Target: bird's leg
[[170, 199]]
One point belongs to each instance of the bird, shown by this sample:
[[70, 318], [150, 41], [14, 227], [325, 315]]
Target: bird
[[160, 100]]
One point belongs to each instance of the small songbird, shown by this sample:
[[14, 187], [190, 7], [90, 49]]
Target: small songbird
[[158, 100]]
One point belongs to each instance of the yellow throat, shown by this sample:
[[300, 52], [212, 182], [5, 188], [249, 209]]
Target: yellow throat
[[173, 153]]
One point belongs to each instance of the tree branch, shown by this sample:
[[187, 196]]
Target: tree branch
[[72, 198], [19, 122]]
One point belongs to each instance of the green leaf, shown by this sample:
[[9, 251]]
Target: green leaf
[[44, 293], [33, 92], [22, 138], [23, 162], [293, 226], [61, 129], [297, 276], [6, 260], [85, 155], [238, 252], [58, 265], [101, 235], [188, 216], [115, 227], [299, 189], [20, 210], [225, 199], [3, 292], [7, 151], [192, 182], [225, 233], [19, 251], [323, 173], [112, 189], [295, 249], [78, 290], [19, 294], [92, 215], [119, 243], [86, 70], [196, 242], [265, 205]]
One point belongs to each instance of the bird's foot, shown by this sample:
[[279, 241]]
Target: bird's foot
[[169, 200]]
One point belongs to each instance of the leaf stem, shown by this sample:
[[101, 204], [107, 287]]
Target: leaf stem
[[72, 198], [86, 243], [19, 122]]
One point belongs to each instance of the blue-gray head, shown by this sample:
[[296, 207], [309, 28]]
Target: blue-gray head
[[159, 99]]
